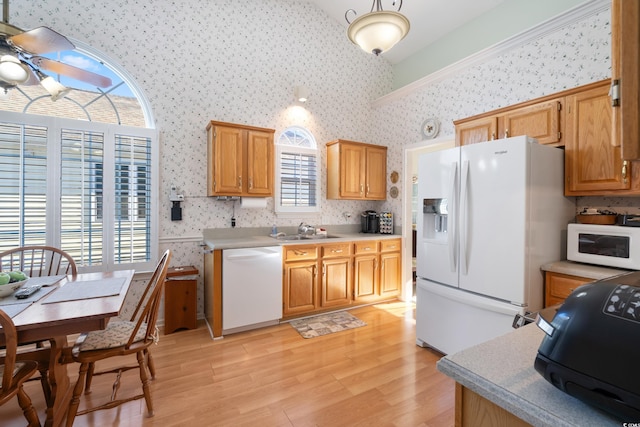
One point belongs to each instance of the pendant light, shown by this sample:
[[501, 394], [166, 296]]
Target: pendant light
[[377, 32]]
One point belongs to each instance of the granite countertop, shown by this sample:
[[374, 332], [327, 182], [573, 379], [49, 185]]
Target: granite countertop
[[258, 237], [589, 271], [501, 370]]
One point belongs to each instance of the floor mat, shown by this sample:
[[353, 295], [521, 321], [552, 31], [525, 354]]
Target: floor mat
[[324, 324]]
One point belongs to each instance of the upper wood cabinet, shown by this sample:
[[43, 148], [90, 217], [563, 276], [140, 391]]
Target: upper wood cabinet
[[625, 74], [356, 171], [240, 160], [540, 119], [593, 162], [472, 131], [592, 159]]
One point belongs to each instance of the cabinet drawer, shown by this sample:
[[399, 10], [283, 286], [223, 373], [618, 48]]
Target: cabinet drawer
[[558, 286], [300, 252], [336, 250], [393, 245], [366, 247]]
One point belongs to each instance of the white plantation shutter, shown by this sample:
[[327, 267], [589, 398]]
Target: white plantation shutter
[[81, 198], [88, 188], [23, 185], [297, 172]]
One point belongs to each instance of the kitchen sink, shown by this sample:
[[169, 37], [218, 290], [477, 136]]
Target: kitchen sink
[[290, 237]]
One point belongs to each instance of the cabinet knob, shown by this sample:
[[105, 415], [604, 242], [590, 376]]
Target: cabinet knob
[[336, 251], [250, 183], [361, 188], [239, 182], [506, 133], [624, 170]]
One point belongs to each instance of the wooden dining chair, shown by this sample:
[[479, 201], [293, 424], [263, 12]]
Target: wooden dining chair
[[14, 373], [36, 261], [121, 338]]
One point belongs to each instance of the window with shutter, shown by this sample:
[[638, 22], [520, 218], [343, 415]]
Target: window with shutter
[[297, 171], [103, 210]]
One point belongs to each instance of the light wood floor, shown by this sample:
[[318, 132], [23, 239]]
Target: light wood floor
[[370, 376]]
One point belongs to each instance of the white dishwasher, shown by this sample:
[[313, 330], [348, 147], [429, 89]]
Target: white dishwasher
[[251, 287]]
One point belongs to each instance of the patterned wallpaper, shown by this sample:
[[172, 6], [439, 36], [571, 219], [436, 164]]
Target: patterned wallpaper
[[239, 61]]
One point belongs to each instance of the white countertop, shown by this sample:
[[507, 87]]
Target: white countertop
[[501, 370], [589, 271], [259, 237]]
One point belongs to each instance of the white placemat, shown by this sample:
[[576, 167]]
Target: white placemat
[[15, 309], [46, 280], [86, 289], [12, 300]]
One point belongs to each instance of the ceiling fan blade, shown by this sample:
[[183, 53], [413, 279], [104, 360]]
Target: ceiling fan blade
[[71, 71], [41, 40]]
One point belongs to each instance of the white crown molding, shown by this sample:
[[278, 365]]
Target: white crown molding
[[569, 17]]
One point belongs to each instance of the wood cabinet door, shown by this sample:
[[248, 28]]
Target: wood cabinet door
[[625, 71], [336, 282], [365, 278], [592, 161], [477, 130], [228, 160], [376, 173], [300, 289], [390, 274], [260, 163], [540, 121], [352, 171]]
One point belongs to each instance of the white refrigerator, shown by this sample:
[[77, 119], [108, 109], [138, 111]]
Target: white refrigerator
[[492, 214]]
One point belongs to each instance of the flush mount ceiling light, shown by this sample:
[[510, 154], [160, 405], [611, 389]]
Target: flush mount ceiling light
[[377, 32]]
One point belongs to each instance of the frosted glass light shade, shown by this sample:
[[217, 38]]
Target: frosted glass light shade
[[377, 32], [12, 70], [55, 89]]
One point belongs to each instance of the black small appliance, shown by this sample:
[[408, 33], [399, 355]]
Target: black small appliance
[[369, 222], [590, 350]]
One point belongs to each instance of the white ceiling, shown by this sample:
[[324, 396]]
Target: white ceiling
[[430, 19]]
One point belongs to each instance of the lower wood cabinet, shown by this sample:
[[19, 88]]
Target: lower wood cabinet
[[300, 279], [336, 289], [366, 278], [390, 268], [473, 410], [329, 276], [558, 286]]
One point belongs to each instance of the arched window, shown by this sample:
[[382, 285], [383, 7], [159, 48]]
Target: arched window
[[297, 171], [80, 173]]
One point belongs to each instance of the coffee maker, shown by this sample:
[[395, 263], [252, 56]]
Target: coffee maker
[[369, 222]]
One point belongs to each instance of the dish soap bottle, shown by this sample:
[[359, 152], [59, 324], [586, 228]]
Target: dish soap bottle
[[274, 231]]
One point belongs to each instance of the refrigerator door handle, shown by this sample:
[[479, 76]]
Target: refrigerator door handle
[[451, 236], [464, 217]]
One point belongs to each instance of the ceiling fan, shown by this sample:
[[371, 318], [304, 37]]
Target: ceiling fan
[[21, 63]]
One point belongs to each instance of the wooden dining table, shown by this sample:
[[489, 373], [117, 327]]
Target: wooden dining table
[[52, 318]]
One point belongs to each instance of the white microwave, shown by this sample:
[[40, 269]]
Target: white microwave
[[610, 245]]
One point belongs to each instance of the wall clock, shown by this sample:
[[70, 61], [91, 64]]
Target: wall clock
[[430, 128]]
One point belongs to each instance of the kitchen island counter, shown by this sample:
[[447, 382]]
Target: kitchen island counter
[[501, 371]]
